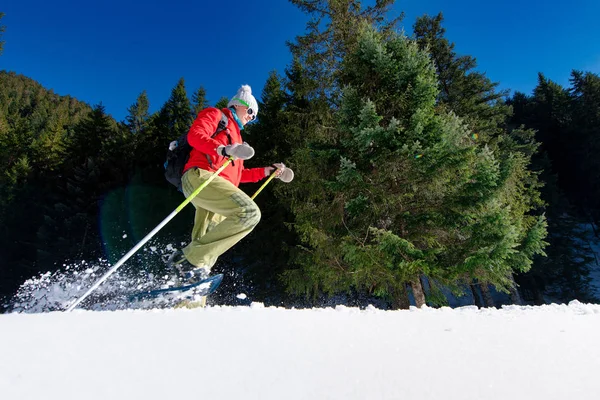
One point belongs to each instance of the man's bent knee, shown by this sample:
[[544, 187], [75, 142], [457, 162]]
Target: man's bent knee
[[251, 216], [249, 213]]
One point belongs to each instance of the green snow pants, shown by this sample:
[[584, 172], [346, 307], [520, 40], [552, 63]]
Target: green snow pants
[[224, 216]]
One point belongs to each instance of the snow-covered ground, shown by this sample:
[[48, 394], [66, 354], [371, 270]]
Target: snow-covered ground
[[123, 349], [548, 352]]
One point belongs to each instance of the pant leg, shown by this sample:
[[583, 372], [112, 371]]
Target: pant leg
[[237, 214], [215, 220], [204, 221], [201, 222]]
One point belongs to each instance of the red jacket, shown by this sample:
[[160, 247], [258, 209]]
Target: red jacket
[[199, 137]]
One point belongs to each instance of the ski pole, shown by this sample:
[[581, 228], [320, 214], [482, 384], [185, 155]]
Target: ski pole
[[149, 236], [286, 176], [263, 186]]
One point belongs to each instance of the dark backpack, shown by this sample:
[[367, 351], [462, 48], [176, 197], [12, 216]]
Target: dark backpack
[[178, 154]]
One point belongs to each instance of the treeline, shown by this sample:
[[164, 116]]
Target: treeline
[[76, 184], [567, 125], [414, 174]]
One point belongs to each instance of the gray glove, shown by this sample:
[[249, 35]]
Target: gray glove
[[287, 175], [284, 173], [236, 151]]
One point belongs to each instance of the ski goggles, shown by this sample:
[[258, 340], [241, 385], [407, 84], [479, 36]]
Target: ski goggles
[[249, 111]]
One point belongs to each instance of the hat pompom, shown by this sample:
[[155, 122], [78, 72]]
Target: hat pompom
[[246, 89]]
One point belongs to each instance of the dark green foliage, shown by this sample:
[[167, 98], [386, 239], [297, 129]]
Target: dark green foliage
[[100, 161], [409, 188], [222, 103], [175, 117], [584, 143], [266, 251], [199, 101], [331, 33], [74, 179], [564, 274], [138, 118], [409, 169], [565, 121], [37, 128], [172, 120], [472, 96]]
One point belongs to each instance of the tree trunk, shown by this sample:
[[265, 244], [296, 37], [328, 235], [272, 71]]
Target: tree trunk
[[487, 296], [538, 294], [515, 297], [425, 284], [476, 297], [418, 292], [400, 300]]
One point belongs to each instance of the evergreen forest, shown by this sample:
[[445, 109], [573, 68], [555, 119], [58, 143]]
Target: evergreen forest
[[416, 178]]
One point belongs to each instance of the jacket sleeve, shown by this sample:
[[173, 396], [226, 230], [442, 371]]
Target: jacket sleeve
[[252, 175], [204, 126]]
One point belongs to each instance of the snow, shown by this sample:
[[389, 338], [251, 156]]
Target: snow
[[258, 352], [120, 348]]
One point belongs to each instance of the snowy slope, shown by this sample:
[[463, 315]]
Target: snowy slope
[[548, 352]]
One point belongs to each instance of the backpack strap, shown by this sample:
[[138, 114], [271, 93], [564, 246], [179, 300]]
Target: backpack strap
[[220, 128]]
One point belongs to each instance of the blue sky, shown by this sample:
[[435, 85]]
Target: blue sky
[[110, 51]]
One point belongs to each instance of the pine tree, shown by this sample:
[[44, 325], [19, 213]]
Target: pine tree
[[106, 148], [548, 114], [360, 241], [331, 33], [137, 119], [178, 110], [49, 148], [222, 103], [199, 101], [411, 191], [92, 133], [172, 121], [270, 141]]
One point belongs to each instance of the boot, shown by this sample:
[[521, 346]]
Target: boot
[[186, 270]]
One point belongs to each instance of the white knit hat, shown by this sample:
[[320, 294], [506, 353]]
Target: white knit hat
[[244, 97]]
